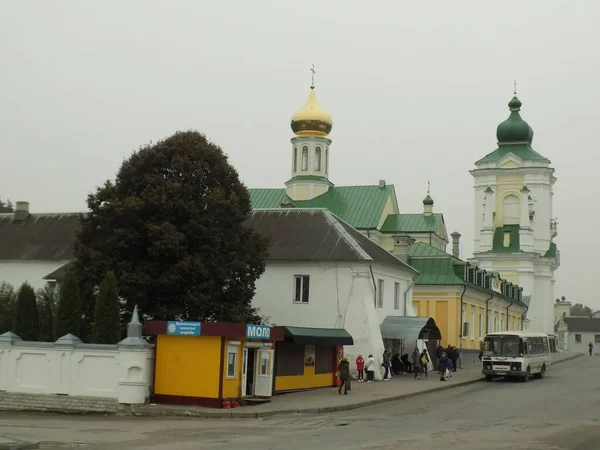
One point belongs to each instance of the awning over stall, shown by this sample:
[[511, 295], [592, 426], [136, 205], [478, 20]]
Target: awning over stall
[[409, 328], [317, 336]]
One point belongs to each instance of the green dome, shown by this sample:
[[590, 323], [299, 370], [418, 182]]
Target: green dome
[[428, 201], [514, 130]]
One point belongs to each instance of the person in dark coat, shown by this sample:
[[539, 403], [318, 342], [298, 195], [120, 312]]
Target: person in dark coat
[[397, 366], [344, 370]]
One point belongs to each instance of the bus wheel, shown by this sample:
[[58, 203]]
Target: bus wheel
[[542, 373], [489, 378], [527, 375]]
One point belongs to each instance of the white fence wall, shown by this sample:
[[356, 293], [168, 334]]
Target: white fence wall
[[69, 367]]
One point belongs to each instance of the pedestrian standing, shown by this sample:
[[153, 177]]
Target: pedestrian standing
[[360, 366], [344, 369], [416, 357], [424, 361], [591, 346], [386, 365], [370, 368]]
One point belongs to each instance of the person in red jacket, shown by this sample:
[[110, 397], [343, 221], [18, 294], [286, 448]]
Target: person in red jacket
[[360, 366]]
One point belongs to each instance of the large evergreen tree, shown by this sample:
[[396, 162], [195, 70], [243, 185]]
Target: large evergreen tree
[[27, 324], [107, 315], [8, 302], [68, 315], [47, 304], [170, 227]]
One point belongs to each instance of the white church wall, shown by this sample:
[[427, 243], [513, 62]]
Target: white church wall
[[71, 376]]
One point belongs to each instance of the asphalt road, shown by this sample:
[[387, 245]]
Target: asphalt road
[[558, 412]]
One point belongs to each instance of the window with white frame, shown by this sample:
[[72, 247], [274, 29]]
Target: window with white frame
[[380, 293], [301, 288], [396, 295], [232, 357], [295, 162], [597, 339], [472, 325], [305, 158], [502, 323], [495, 323], [318, 159], [578, 339]]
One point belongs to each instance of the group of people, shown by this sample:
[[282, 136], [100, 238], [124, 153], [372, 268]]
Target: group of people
[[397, 365]]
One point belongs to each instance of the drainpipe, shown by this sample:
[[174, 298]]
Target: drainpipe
[[374, 287], [507, 316], [487, 316], [373, 278], [523, 318], [410, 286], [460, 335]]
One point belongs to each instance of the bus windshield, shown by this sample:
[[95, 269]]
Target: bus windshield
[[503, 346]]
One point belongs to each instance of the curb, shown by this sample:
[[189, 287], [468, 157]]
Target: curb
[[220, 414], [18, 445]]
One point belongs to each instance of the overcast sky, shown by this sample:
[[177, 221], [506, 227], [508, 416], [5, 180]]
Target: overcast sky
[[416, 90]]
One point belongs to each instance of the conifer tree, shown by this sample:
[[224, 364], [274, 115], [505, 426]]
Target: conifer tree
[[107, 313], [68, 317], [8, 304], [26, 324]]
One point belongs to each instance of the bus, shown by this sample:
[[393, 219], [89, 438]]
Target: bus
[[517, 354]]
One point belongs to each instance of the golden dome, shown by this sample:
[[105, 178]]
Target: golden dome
[[311, 119]]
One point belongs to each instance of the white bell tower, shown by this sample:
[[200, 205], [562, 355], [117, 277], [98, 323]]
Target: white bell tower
[[514, 222]]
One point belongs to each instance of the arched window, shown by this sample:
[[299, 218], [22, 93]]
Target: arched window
[[326, 160], [512, 210], [318, 159], [304, 158], [295, 162]]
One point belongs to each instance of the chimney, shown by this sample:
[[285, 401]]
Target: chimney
[[21, 211], [381, 183], [401, 244], [456, 244]]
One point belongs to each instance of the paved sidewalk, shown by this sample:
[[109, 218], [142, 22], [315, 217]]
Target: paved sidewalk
[[328, 400]]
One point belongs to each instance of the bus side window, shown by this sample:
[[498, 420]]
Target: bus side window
[[524, 344]]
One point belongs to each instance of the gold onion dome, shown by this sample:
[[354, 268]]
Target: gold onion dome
[[311, 119]]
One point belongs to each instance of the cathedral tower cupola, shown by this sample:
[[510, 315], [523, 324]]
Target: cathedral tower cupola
[[514, 130], [310, 149], [428, 202]]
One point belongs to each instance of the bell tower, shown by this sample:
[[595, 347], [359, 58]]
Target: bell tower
[[514, 222]]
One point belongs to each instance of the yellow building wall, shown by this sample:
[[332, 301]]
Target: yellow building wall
[[389, 208], [309, 380], [442, 309], [187, 366], [446, 311]]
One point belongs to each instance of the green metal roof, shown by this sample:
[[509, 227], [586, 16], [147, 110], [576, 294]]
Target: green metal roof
[[515, 242], [551, 253], [438, 270], [319, 336], [446, 271], [412, 223], [521, 151], [360, 206], [423, 250]]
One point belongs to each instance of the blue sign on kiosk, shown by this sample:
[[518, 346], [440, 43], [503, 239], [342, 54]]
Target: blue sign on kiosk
[[183, 328], [258, 331]]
